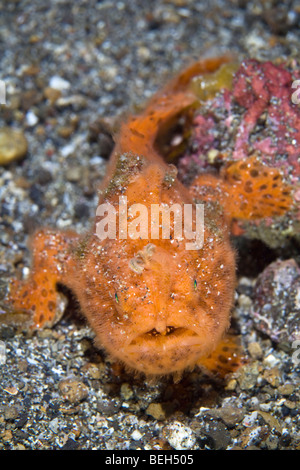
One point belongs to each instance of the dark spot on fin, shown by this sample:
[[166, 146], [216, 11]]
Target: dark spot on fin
[[227, 358]]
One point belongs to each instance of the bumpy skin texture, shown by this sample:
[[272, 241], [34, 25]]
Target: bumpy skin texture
[[155, 306], [248, 189]]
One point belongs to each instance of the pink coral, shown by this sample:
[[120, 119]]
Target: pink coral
[[253, 116], [256, 115], [266, 89]]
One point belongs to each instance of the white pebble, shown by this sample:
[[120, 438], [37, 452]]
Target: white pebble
[[2, 353], [180, 437], [67, 150], [271, 360], [31, 119], [59, 83], [250, 419], [136, 435]]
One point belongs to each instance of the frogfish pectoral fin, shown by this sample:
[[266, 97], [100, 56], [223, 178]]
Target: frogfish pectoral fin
[[227, 358]]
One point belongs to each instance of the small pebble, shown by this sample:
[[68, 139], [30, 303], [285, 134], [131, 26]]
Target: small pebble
[[126, 391], [73, 390], [244, 301], [276, 304], [52, 94], [272, 442], [136, 435], [286, 389], [229, 414], [11, 413], [248, 376], [108, 407], [272, 376], [251, 436], [270, 420], [31, 119], [156, 411], [59, 83], [255, 350], [218, 435], [54, 425], [11, 390], [2, 353], [13, 145], [179, 436], [74, 174]]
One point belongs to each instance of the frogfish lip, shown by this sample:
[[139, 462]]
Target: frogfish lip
[[170, 338], [168, 351]]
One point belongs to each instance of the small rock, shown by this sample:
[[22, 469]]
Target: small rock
[[2, 353], [78, 101], [272, 442], [291, 405], [11, 413], [248, 375], [59, 83], [278, 18], [73, 390], [65, 131], [6, 435], [218, 435], [54, 425], [126, 391], [22, 420], [19, 447], [231, 385], [70, 444], [212, 155], [43, 176], [23, 365], [32, 70], [252, 436], [31, 119], [272, 376], [271, 421], [229, 414], [271, 360], [157, 444], [157, 411], [285, 439], [244, 301], [108, 407], [52, 94], [13, 145], [136, 435], [67, 150], [81, 210], [276, 302], [250, 419], [179, 436], [286, 389], [30, 98], [255, 350], [74, 174], [94, 371], [143, 53], [11, 390]]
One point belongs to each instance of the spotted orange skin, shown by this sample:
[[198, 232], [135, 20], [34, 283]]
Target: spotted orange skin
[[154, 305], [135, 291]]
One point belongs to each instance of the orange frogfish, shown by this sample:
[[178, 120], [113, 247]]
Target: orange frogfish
[[159, 304]]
